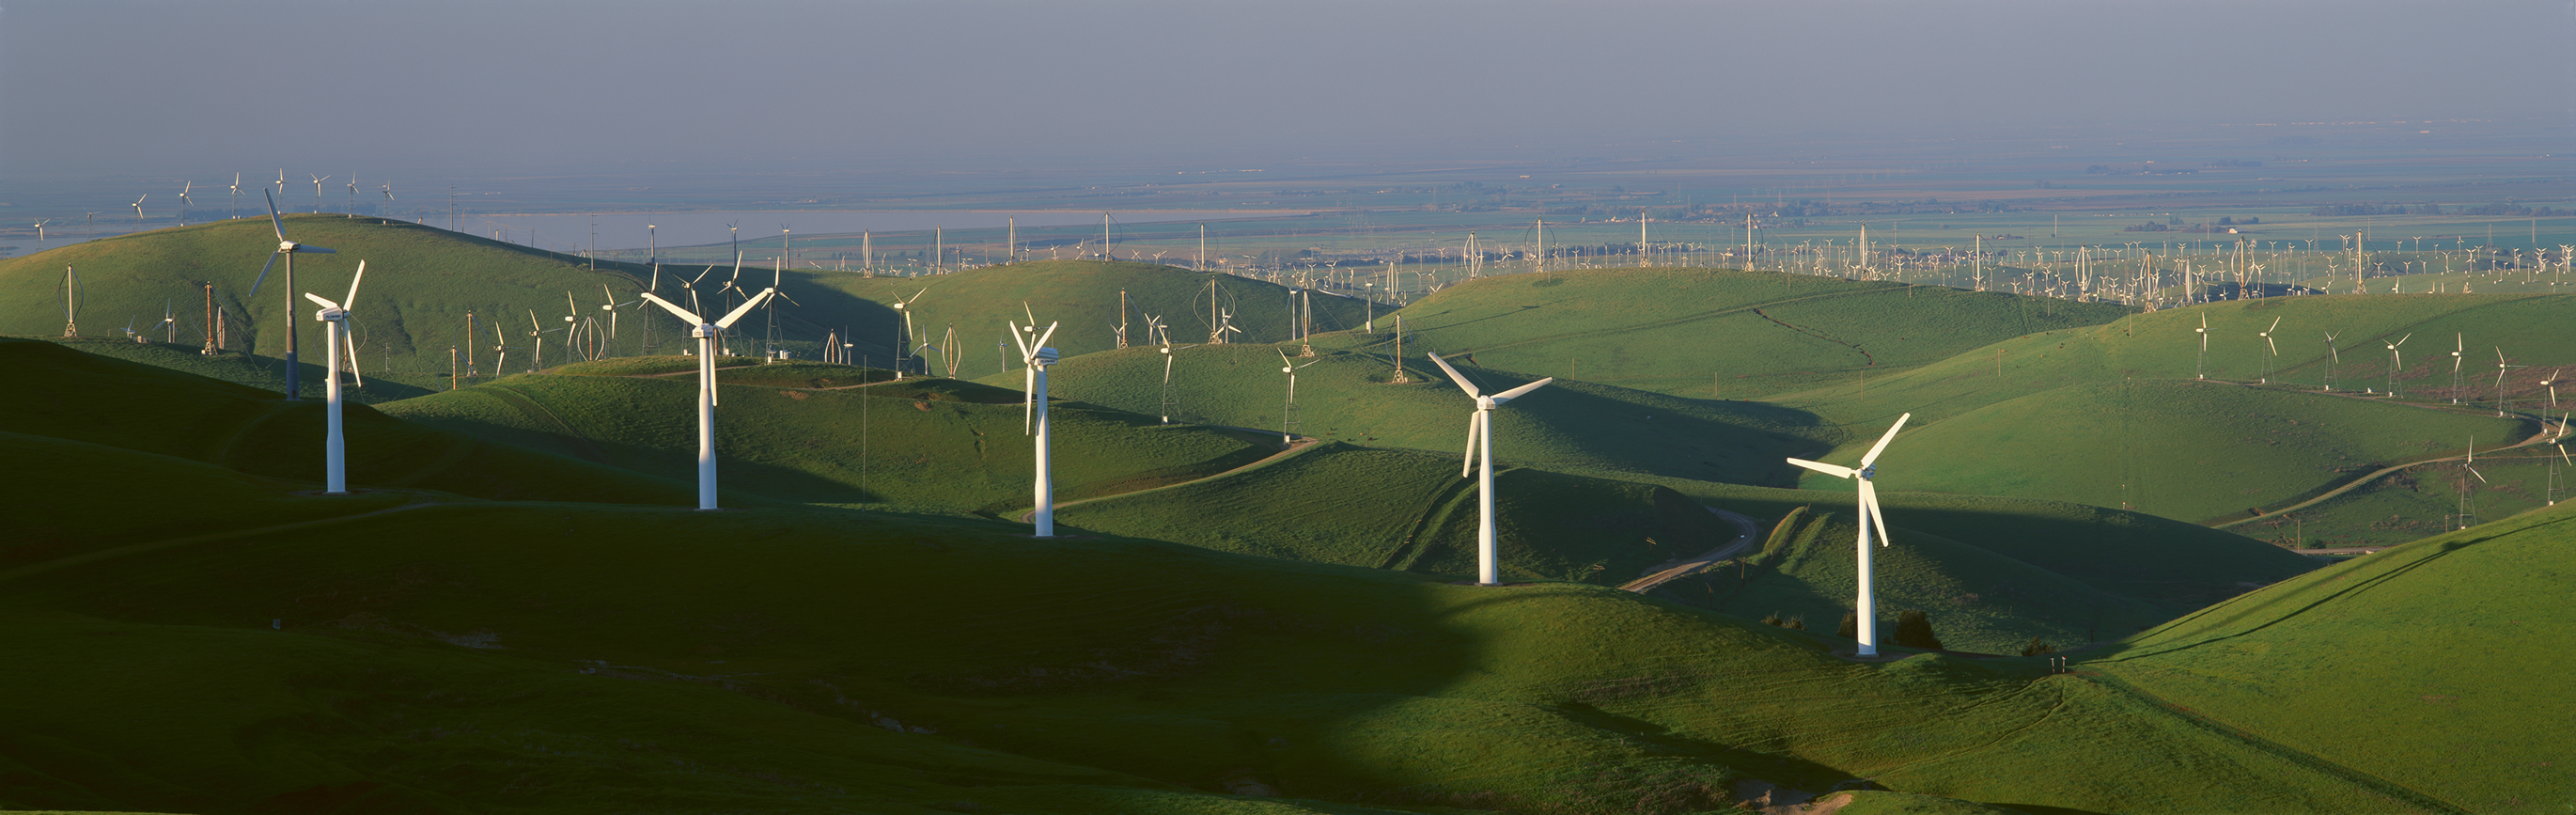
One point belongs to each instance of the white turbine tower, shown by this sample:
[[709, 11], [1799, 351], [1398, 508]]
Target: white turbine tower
[[2200, 369], [1480, 445], [2271, 348], [2458, 345], [1866, 607], [706, 333], [2395, 361], [1288, 414], [1036, 355], [288, 249], [337, 341], [2332, 356]]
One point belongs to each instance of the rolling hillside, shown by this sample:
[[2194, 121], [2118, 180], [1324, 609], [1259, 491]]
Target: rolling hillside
[[1346, 397], [2409, 668], [1720, 333]]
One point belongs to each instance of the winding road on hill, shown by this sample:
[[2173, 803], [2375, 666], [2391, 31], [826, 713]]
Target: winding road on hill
[[1744, 532], [2544, 436]]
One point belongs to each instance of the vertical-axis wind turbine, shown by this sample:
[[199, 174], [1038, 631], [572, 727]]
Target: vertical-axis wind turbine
[[1480, 446], [289, 249], [336, 341], [1037, 356], [1865, 608], [706, 333]]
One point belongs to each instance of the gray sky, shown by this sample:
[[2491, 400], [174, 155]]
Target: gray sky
[[105, 87]]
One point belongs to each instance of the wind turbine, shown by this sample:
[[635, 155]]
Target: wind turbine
[[317, 192], [1171, 397], [1480, 440], [2332, 356], [2552, 384], [611, 305], [902, 306], [289, 249], [184, 201], [2394, 361], [336, 337], [706, 333], [2500, 369], [1288, 414], [2556, 481], [2457, 345], [138, 207], [500, 350], [2468, 505], [1866, 607], [1036, 355], [2200, 369], [236, 205], [2272, 347], [40, 229], [169, 322]]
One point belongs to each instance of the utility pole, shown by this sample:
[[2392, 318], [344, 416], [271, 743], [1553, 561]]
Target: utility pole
[[210, 320], [1399, 351]]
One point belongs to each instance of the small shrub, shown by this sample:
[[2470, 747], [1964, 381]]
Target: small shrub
[[1850, 627], [2036, 648], [1914, 630]]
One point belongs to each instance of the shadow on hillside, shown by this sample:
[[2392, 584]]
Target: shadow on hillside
[[1732, 442]]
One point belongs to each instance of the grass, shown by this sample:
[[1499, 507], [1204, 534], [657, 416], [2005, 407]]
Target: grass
[[2186, 450], [1345, 396], [1720, 333], [920, 442], [448, 663], [2409, 666], [1410, 511], [1084, 296]]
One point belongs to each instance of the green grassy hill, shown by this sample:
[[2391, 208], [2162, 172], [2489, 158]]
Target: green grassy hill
[[2532, 329], [64, 393], [1718, 332], [1394, 509], [782, 434], [2410, 667], [499, 656], [2182, 449], [1346, 397], [1082, 295]]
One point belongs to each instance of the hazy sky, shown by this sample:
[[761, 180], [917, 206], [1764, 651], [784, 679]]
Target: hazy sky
[[103, 87]]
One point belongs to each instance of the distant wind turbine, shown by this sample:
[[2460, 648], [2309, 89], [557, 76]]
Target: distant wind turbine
[[288, 249]]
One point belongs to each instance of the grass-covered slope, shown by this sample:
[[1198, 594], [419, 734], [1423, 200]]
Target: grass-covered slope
[[1346, 397], [61, 392], [2182, 449], [2414, 667], [1718, 332], [792, 434], [518, 657], [1083, 296], [1395, 509], [2531, 329], [2176, 566]]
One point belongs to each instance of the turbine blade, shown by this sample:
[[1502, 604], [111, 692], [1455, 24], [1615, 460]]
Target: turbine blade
[[263, 275], [2474, 471], [1828, 469], [1043, 336], [745, 308], [2276, 347], [349, 343], [666, 305], [1454, 376], [1881, 446], [1869, 506], [274, 222], [1475, 422], [360, 277], [1516, 393], [318, 299], [1023, 343]]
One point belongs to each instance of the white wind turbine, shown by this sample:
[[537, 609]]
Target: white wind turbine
[[1171, 397], [184, 201], [337, 341], [236, 205], [706, 333], [1866, 610], [288, 249], [2274, 349], [138, 207], [2556, 481], [2458, 345], [2395, 361], [1480, 445], [1036, 355], [40, 229], [2552, 384], [1288, 413], [2200, 369], [317, 191], [902, 306], [2332, 356]]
